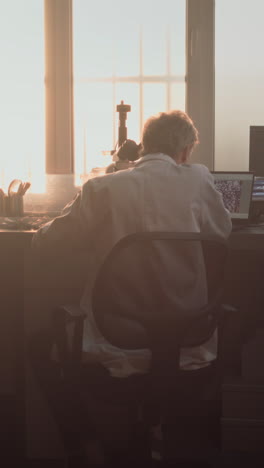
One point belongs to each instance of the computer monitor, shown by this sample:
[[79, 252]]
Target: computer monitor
[[258, 190], [256, 149], [236, 189]]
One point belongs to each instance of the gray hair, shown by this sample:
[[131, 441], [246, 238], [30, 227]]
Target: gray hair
[[169, 133]]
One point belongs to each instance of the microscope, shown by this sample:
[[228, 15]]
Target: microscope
[[128, 150], [122, 109]]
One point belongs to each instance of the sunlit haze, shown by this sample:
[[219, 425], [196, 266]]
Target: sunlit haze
[[124, 51], [239, 79], [22, 92], [131, 51]]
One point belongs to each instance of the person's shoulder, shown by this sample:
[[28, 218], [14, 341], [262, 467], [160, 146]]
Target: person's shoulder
[[195, 167], [198, 170], [105, 180], [95, 183]]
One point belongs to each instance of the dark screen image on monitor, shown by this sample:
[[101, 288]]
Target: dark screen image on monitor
[[256, 150], [236, 190], [231, 192]]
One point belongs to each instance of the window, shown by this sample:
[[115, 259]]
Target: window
[[64, 69], [116, 56], [134, 53], [22, 146]]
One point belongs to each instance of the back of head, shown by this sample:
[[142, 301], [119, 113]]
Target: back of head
[[169, 133]]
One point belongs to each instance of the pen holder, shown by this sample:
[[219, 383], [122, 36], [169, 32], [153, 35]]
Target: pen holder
[[2, 205], [13, 205]]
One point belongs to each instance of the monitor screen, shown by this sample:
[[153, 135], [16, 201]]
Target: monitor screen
[[258, 189], [236, 189]]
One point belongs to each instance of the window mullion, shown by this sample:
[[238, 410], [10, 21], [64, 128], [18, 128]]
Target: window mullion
[[200, 75], [59, 89]]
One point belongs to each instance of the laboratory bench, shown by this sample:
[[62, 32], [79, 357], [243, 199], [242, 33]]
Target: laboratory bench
[[23, 296]]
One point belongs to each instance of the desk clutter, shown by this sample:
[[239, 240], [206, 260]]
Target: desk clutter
[[29, 222], [12, 203]]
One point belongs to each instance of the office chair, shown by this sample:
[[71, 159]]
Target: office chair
[[134, 307]]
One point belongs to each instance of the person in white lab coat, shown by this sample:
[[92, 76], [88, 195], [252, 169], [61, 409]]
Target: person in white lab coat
[[164, 191]]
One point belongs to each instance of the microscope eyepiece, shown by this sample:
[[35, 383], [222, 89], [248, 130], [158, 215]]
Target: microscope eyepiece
[[123, 109]]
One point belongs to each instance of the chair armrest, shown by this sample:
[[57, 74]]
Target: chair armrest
[[70, 312], [227, 313], [69, 349], [229, 309]]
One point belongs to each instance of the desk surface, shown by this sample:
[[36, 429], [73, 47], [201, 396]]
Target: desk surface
[[15, 239], [15, 232], [244, 238], [247, 238]]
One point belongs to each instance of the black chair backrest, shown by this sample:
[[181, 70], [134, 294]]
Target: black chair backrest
[[156, 286]]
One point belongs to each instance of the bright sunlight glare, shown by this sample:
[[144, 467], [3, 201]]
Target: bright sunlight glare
[[22, 154], [124, 51]]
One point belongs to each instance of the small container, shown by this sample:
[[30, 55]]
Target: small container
[[2, 205], [14, 205]]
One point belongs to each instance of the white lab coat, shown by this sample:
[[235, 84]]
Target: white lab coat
[[157, 194]]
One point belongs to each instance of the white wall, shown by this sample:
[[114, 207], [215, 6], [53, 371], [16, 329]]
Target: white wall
[[239, 58]]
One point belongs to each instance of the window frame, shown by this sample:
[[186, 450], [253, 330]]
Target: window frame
[[59, 81], [59, 86], [200, 73]]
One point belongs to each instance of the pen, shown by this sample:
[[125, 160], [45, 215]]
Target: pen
[[26, 186]]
